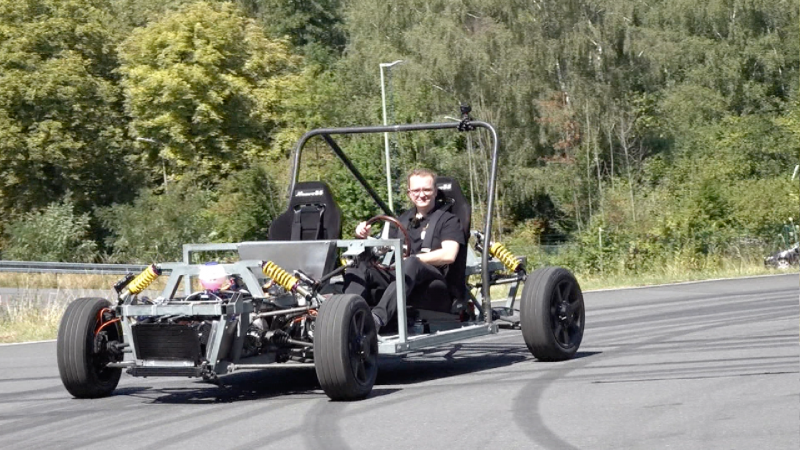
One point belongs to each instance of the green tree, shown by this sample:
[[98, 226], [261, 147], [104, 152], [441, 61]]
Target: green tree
[[206, 82], [245, 205], [315, 27], [62, 127], [138, 13]]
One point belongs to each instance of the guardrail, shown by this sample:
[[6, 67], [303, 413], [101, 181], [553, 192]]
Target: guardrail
[[74, 268], [102, 269]]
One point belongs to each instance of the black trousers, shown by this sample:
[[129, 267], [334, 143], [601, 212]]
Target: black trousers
[[365, 279]]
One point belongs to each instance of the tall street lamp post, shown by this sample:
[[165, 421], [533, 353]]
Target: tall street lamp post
[[386, 135]]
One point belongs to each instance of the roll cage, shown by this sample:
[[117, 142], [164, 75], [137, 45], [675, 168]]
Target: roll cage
[[466, 125]]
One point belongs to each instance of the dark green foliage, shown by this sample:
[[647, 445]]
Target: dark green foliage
[[62, 127], [138, 13], [315, 27], [55, 233], [155, 227]]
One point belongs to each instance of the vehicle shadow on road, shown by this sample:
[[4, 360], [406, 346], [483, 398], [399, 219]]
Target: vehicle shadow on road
[[301, 383], [448, 361], [286, 383]]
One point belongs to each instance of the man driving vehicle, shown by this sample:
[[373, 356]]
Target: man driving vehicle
[[425, 264]]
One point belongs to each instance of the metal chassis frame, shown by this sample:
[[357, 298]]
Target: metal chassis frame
[[240, 308], [400, 343]]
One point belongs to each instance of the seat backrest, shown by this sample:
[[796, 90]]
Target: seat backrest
[[312, 215], [449, 188], [456, 274]]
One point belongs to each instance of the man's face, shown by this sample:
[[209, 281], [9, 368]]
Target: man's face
[[421, 191]]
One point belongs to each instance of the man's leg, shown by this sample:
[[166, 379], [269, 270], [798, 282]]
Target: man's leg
[[362, 279], [416, 273]]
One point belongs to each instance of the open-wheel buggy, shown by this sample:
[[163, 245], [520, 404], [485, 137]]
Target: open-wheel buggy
[[281, 300]]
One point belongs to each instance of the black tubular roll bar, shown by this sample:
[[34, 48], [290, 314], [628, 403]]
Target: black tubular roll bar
[[465, 125]]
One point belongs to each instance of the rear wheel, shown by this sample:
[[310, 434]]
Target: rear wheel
[[346, 348], [82, 349], [552, 314]]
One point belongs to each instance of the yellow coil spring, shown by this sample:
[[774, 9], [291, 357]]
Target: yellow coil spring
[[280, 276], [500, 252], [144, 279]]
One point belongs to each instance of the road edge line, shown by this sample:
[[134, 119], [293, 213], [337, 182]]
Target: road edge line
[[8, 344]]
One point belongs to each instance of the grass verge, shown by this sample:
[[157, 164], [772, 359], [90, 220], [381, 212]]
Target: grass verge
[[667, 275], [57, 281], [34, 310], [32, 317]]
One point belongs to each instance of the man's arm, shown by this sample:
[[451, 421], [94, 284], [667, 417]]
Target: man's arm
[[441, 256]]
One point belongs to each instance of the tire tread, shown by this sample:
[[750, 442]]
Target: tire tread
[[535, 314], [331, 357], [71, 350]]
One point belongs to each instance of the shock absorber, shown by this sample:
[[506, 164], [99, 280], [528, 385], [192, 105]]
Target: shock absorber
[[284, 279], [139, 283], [499, 251], [508, 259]]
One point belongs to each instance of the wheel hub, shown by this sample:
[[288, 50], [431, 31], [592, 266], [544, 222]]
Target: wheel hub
[[361, 346], [562, 311]]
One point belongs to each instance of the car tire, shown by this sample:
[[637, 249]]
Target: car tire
[[346, 348], [552, 314], [82, 369]]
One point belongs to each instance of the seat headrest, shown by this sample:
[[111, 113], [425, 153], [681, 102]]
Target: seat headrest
[[310, 192], [311, 214]]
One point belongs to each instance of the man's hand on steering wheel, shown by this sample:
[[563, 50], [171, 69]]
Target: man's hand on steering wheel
[[363, 231]]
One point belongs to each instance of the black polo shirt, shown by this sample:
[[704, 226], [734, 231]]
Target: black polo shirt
[[448, 228]]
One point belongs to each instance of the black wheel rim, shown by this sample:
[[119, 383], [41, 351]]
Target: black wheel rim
[[363, 346], [566, 314]]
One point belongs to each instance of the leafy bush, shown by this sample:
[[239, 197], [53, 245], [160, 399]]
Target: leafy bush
[[155, 227], [53, 234], [761, 206]]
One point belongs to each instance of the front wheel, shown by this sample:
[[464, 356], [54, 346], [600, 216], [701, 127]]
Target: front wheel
[[82, 349], [346, 348], [552, 314]]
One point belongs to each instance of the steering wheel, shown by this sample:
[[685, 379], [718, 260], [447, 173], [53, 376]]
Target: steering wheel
[[395, 222]]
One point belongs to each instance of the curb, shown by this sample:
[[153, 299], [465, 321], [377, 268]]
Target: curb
[[24, 343]]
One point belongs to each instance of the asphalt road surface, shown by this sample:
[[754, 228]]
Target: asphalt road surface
[[711, 365]]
